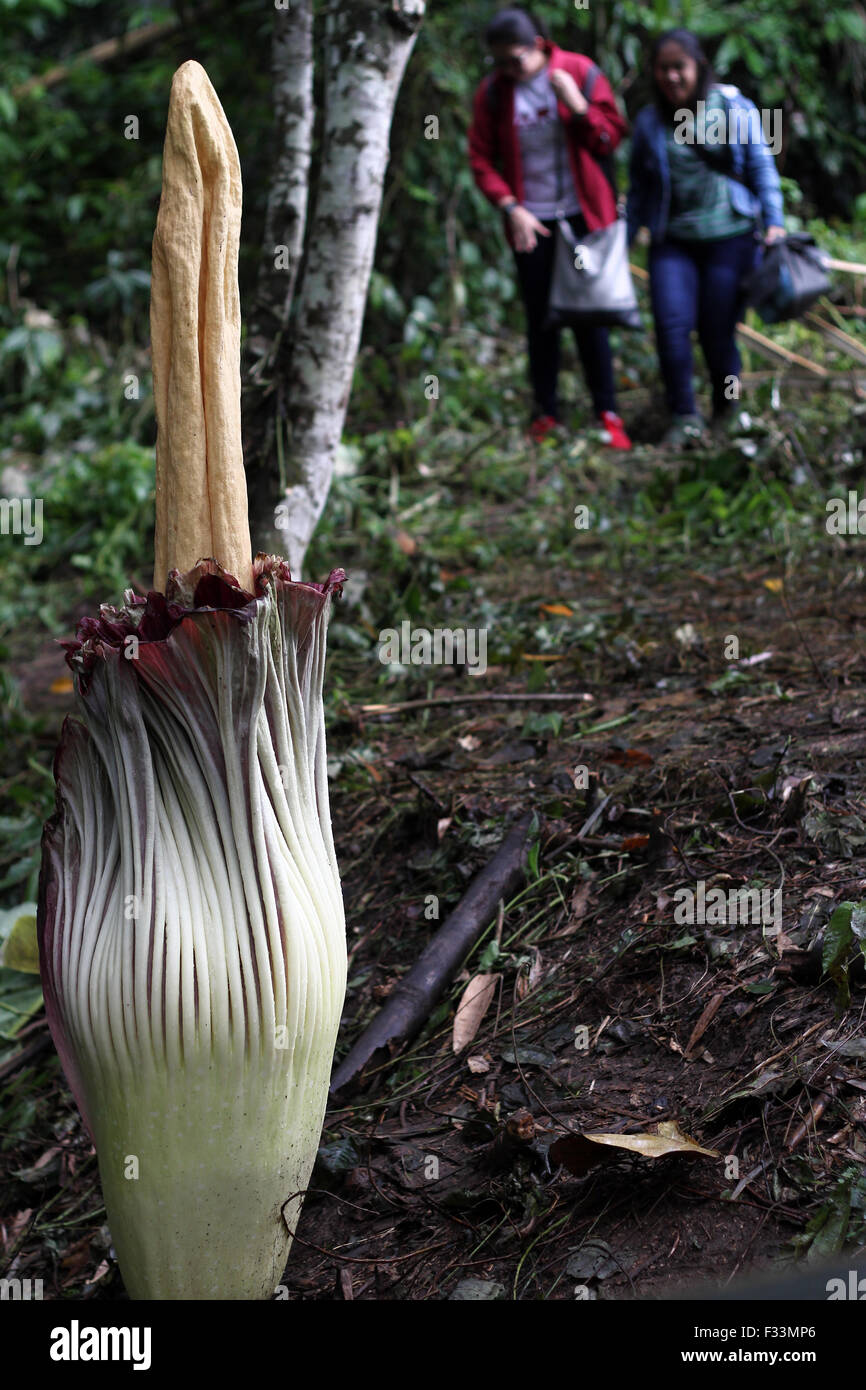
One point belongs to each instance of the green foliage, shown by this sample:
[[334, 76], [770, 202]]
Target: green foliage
[[89, 235], [70, 438], [845, 934], [839, 1222]]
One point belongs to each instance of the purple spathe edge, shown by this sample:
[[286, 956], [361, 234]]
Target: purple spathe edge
[[207, 588]]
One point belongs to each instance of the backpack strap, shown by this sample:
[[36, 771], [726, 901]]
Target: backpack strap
[[592, 73], [606, 161], [721, 162]]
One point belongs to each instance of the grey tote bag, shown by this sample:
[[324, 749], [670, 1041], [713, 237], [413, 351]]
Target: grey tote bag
[[591, 282]]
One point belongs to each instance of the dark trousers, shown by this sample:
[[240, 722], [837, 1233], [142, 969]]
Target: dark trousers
[[534, 271], [698, 284]]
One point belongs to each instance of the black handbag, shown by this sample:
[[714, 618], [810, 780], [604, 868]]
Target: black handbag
[[789, 278]]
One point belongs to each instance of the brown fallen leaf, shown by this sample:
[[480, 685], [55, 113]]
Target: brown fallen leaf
[[75, 1259], [580, 1152], [627, 757], [703, 1024], [673, 697], [577, 909], [632, 842], [474, 1003], [668, 1139], [12, 1231]]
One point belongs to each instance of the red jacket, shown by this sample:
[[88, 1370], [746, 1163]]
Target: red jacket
[[493, 140]]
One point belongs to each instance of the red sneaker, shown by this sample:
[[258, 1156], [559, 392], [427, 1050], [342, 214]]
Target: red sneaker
[[541, 427], [615, 431]]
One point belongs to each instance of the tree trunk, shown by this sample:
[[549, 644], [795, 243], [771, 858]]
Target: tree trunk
[[286, 215], [368, 46]]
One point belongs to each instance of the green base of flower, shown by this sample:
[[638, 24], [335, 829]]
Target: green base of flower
[[200, 1177]]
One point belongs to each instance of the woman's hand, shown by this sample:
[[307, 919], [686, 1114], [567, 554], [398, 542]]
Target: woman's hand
[[568, 91], [774, 234], [524, 228]]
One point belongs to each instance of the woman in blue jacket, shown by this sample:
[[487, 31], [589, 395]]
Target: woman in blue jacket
[[703, 203]]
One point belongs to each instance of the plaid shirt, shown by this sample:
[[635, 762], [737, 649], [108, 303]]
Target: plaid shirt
[[754, 186]]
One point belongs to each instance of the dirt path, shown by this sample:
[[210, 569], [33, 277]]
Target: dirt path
[[610, 1015]]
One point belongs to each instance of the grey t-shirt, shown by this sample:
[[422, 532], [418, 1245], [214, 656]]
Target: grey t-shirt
[[548, 186]]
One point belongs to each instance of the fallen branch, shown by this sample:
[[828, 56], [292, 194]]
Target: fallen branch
[[815, 1112], [409, 1006], [468, 700]]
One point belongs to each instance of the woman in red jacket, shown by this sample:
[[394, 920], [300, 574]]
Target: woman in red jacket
[[534, 146]]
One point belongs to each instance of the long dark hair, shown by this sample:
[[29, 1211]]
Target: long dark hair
[[685, 39], [514, 26]]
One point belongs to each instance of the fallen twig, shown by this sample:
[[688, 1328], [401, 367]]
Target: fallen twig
[[816, 1110], [410, 1004], [468, 700]]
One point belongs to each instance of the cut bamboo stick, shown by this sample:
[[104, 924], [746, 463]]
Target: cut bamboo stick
[[849, 267], [768, 348], [853, 347]]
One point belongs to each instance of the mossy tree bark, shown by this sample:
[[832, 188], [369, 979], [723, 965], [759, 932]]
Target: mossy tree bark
[[317, 303]]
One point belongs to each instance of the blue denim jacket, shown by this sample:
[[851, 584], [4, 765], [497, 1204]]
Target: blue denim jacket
[[649, 191]]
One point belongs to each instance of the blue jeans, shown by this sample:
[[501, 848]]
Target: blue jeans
[[698, 284]]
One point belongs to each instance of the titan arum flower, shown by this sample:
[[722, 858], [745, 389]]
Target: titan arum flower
[[191, 929]]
